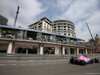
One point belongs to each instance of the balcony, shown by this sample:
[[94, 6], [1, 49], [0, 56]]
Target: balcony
[[41, 40]]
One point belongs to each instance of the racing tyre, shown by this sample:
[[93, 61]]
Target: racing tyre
[[82, 62], [76, 62], [91, 62], [96, 60], [71, 60]]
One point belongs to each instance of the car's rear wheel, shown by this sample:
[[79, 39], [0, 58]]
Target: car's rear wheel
[[91, 62], [82, 62], [76, 61], [71, 60]]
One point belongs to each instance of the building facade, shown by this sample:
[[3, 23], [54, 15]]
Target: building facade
[[29, 41], [3, 20], [43, 25], [63, 27]]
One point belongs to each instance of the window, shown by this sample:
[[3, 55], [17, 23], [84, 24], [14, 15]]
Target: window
[[69, 34], [49, 50], [44, 23], [64, 29], [64, 26], [64, 23], [40, 23], [64, 33], [39, 26], [58, 26], [54, 27], [58, 23]]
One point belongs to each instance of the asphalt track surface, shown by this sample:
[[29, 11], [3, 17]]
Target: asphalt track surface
[[47, 67]]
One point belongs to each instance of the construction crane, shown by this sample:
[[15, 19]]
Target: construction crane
[[16, 16], [92, 38]]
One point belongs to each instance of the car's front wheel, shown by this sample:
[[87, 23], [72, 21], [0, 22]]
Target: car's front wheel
[[96, 60]]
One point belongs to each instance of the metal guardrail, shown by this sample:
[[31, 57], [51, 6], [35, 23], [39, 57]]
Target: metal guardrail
[[4, 56], [56, 42]]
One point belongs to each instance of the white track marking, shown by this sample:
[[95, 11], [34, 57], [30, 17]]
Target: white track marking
[[2, 64], [47, 63], [22, 64], [32, 64], [13, 64], [54, 63], [40, 63]]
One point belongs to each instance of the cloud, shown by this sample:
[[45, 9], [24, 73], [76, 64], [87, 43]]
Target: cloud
[[80, 12], [64, 4], [28, 11], [94, 22], [77, 11]]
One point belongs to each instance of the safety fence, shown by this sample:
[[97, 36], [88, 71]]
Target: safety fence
[[4, 56]]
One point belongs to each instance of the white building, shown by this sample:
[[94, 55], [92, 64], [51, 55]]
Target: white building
[[63, 27], [43, 25]]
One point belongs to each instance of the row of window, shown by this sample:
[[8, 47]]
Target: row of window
[[62, 24], [49, 28], [67, 34], [62, 27], [41, 26], [64, 31], [54, 27]]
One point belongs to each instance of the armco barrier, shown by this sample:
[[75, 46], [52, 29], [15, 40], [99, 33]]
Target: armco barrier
[[4, 56]]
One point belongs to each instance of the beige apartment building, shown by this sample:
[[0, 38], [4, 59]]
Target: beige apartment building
[[63, 27], [44, 24]]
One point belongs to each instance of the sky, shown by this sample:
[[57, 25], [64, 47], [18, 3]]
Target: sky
[[77, 11]]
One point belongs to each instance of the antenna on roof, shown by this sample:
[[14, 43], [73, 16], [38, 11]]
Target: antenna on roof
[[16, 16]]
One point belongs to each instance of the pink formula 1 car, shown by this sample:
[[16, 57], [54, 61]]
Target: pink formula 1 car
[[82, 60]]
